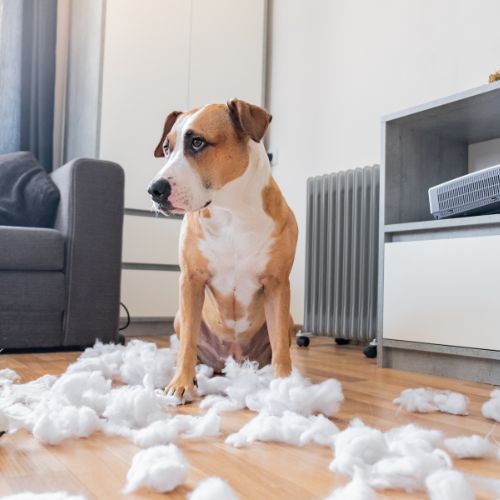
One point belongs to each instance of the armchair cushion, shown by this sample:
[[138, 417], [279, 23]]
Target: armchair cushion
[[28, 196], [31, 249]]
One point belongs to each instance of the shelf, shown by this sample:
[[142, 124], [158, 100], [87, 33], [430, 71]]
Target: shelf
[[436, 225], [470, 116]]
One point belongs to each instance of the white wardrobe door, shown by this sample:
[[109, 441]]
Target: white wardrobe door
[[227, 51], [444, 291], [145, 76]]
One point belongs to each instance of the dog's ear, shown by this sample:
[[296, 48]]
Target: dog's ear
[[249, 119], [167, 127]]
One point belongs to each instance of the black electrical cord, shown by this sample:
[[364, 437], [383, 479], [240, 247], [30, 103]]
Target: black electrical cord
[[128, 317]]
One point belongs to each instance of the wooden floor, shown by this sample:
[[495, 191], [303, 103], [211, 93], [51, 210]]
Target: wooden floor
[[96, 467]]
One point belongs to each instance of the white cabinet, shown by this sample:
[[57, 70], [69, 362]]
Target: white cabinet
[[443, 291]]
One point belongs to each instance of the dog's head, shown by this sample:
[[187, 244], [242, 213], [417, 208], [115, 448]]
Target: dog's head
[[204, 150]]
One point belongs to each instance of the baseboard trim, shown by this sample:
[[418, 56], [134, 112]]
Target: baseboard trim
[[469, 352], [149, 327], [141, 266], [443, 364]]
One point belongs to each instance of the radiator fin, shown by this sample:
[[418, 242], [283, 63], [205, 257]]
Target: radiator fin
[[342, 254]]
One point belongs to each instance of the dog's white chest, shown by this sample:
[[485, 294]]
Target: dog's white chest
[[237, 251]]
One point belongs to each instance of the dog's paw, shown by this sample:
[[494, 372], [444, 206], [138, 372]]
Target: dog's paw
[[182, 387]]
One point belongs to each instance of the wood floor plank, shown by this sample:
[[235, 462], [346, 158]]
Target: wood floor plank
[[97, 467]]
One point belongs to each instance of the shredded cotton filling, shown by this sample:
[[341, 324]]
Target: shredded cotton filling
[[470, 447], [491, 409], [118, 390], [357, 489], [401, 458], [430, 400], [159, 468], [88, 397], [290, 428], [213, 488], [448, 485]]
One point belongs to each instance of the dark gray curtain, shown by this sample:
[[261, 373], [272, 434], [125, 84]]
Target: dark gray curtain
[[27, 75]]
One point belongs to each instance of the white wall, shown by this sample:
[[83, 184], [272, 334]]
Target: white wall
[[337, 66]]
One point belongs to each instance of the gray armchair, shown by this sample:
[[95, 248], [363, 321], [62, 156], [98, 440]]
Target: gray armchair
[[61, 286]]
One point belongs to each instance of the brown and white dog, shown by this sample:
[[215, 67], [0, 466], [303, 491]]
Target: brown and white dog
[[237, 242]]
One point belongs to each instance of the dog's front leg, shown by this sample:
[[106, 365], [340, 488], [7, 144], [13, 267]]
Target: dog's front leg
[[277, 311], [192, 293]]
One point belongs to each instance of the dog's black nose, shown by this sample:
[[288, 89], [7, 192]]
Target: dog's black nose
[[159, 190]]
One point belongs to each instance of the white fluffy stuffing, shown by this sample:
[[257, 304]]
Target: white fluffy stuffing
[[205, 426], [430, 400], [207, 383], [357, 446], [132, 407], [57, 424], [491, 409], [220, 403], [144, 358], [19, 400], [448, 485], [106, 358], [291, 428], [159, 468], [411, 438], [357, 489], [290, 410], [401, 458], [407, 472], [470, 446], [297, 394], [83, 389], [129, 364], [159, 432], [245, 385], [213, 488], [169, 429], [245, 379], [82, 400], [56, 495]]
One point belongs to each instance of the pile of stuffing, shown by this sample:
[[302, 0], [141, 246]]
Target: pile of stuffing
[[118, 390]]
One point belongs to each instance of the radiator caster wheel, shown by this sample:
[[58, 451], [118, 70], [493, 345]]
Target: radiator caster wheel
[[303, 341], [341, 341], [370, 351]]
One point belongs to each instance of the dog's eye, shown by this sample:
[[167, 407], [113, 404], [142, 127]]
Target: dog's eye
[[198, 143], [166, 149]]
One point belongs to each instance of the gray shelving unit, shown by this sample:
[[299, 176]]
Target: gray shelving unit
[[422, 147]]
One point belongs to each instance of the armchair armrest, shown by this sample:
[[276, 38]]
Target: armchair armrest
[[90, 217]]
